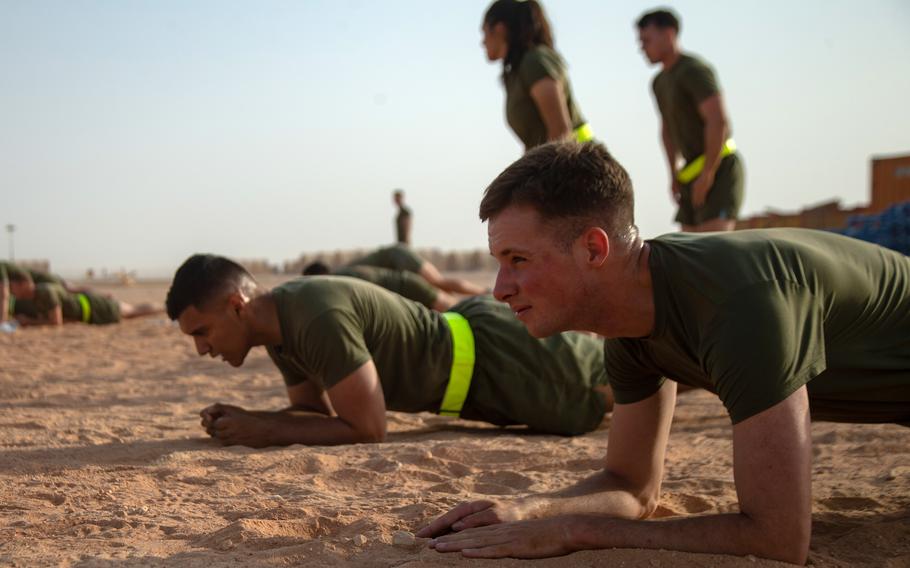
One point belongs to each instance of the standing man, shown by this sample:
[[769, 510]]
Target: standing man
[[403, 219], [694, 125], [776, 322]]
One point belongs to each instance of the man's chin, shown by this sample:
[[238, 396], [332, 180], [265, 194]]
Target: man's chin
[[538, 332], [236, 362]]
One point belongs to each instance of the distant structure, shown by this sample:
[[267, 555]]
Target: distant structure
[[890, 185], [257, 265], [36, 264]]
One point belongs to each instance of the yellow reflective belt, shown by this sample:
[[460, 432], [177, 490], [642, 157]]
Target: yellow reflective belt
[[584, 133], [693, 168], [86, 307], [462, 365]]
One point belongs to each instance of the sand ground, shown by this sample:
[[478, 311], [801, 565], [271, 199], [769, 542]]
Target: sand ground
[[103, 464]]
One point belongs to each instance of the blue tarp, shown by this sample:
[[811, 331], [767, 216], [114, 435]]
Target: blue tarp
[[890, 228]]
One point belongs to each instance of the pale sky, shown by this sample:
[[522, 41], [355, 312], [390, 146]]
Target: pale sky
[[135, 133]]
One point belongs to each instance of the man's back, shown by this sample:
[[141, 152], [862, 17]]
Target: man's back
[[754, 315], [332, 325]]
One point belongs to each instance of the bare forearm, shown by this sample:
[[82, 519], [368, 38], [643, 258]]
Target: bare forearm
[[715, 134], [735, 534], [27, 321], [669, 150], [288, 427], [601, 494]]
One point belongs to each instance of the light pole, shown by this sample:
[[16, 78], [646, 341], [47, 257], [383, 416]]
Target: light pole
[[12, 250]]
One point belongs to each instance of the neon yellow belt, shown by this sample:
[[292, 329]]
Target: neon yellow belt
[[693, 168], [584, 133], [462, 365], [86, 307]]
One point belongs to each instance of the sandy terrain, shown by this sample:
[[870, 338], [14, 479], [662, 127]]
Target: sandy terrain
[[103, 463]]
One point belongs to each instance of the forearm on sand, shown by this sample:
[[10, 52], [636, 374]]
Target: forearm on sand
[[601, 493]]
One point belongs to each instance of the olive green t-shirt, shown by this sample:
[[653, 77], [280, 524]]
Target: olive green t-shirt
[[102, 310], [754, 315], [37, 276], [48, 297], [331, 326], [679, 90], [403, 283], [522, 113], [393, 257]]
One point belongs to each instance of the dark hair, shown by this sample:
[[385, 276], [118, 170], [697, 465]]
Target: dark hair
[[575, 185], [200, 279], [662, 18], [16, 274], [526, 25], [315, 269]]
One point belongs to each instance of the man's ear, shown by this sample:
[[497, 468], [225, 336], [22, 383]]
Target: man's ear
[[595, 244], [237, 301]]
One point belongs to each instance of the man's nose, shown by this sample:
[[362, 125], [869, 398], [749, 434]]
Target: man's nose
[[504, 287], [201, 346]]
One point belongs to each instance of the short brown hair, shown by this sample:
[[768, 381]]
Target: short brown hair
[[663, 18], [576, 185]]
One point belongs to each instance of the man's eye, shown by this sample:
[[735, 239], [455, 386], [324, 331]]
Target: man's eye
[[517, 260]]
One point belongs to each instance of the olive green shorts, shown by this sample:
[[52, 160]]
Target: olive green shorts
[[724, 199], [394, 257], [104, 310], [414, 287]]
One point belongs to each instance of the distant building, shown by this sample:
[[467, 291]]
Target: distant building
[[37, 264], [257, 265], [890, 184]]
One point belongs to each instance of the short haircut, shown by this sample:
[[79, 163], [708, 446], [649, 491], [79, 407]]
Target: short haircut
[[570, 184], [201, 279], [662, 18], [315, 269], [16, 274], [398, 193]]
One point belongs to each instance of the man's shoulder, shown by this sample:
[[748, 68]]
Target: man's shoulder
[[692, 61], [313, 290]]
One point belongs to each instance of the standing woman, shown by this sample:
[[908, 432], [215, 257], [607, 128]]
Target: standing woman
[[539, 104]]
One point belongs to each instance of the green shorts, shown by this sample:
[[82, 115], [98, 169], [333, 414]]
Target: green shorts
[[724, 199], [394, 257], [519, 379], [412, 286], [104, 310]]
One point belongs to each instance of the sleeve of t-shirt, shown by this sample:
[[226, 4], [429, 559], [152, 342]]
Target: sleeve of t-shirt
[[45, 298], [763, 346], [630, 376], [333, 346], [290, 375], [538, 64], [700, 82]]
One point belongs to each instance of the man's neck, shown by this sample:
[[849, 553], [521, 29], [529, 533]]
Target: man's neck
[[628, 309], [671, 58], [265, 326]]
